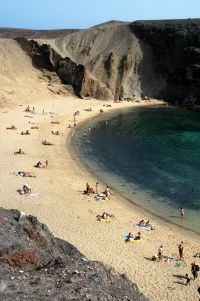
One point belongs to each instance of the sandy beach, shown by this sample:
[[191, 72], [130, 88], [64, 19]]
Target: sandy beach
[[71, 215]]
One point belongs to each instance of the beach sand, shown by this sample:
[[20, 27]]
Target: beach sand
[[70, 215]]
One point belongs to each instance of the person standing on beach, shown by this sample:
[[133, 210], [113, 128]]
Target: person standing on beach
[[182, 212], [97, 184], [198, 291], [87, 188], [107, 192], [180, 250], [194, 269], [160, 253]]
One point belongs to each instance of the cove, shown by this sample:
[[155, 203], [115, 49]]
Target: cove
[[151, 155]]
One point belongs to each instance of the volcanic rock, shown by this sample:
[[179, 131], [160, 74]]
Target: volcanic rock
[[37, 266]]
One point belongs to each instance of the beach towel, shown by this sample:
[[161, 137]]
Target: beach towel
[[32, 194], [126, 235], [169, 258], [132, 239], [177, 264], [148, 228], [101, 198]]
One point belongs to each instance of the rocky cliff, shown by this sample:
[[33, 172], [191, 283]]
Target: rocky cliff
[[37, 266], [120, 60], [170, 65]]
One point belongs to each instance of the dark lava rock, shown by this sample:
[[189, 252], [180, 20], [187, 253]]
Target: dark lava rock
[[45, 57], [37, 266], [171, 57]]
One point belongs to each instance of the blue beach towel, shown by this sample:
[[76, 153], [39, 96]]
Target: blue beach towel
[[148, 228]]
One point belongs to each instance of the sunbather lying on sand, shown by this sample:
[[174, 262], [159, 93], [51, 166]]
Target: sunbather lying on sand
[[146, 224], [55, 122], [46, 143], [19, 152], [12, 127], [26, 174], [25, 190], [134, 237], [55, 132], [34, 127], [130, 235], [105, 216], [39, 165]]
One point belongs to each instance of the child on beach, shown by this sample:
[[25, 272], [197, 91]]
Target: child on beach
[[188, 278], [160, 253], [182, 212]]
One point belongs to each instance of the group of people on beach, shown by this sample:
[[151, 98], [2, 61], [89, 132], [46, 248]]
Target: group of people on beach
[[137, 237], [26, 189], [134, 237], [25, 133], [194, 267], [90, 190], [29, 110]]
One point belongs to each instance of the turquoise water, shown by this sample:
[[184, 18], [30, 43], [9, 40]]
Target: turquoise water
[[150, 155]]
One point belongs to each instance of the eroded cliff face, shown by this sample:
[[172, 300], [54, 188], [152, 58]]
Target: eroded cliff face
[[111, 55], [37, 266], [100, 62], [170, 67], [120, 60]]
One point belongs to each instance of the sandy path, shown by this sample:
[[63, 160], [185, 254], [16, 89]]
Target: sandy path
[[71, 216]]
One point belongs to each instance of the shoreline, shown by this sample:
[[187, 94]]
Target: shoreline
[[133, 205], [72, 216]]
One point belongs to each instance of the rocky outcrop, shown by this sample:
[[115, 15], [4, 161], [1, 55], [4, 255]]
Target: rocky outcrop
[[170, 67], [111, 55], [45, 57], [120, 60], [37, 266]]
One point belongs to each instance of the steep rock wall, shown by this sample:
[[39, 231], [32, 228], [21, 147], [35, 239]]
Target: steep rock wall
[[170, 67], [110, 53]]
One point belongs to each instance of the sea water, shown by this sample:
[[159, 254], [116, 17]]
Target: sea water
[[151, 155]]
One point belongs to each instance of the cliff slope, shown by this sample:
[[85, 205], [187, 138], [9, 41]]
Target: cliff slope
[[20, 81], [121, 60]]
